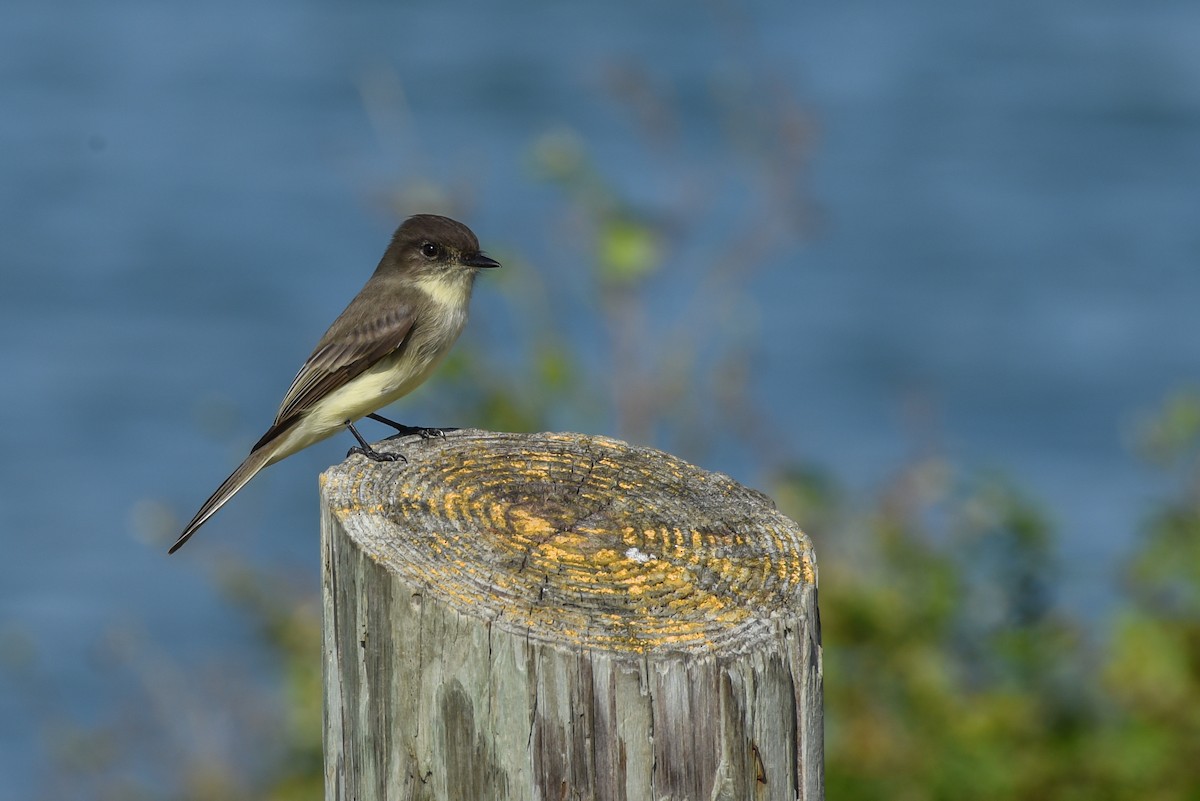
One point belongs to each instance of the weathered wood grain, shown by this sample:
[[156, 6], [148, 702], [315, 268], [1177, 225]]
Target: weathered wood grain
[[556, 616]]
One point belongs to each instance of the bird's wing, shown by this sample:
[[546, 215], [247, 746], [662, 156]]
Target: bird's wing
[[344, 353]]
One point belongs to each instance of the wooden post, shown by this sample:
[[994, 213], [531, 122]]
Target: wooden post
[[556, 616]]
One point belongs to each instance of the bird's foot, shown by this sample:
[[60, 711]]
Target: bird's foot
[[376, 456], [366, 450]]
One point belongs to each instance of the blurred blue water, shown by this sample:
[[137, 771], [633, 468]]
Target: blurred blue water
[[189, 193]]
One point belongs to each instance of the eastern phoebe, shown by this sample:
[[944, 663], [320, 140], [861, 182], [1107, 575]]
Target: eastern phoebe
[[386, 342]]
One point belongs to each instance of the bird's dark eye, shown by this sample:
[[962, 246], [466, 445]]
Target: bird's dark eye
[[430, 250]]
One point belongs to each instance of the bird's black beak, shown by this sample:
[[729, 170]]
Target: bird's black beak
[[480, 260]]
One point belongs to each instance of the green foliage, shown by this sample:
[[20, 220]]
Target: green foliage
[[1173, 435], [949, 674]]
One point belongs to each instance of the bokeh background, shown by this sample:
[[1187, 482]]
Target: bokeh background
[[925, 272]]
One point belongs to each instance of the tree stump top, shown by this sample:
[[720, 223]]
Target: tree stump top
[[579, 541]]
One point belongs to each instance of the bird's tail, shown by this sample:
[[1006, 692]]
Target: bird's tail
[[257, 460]]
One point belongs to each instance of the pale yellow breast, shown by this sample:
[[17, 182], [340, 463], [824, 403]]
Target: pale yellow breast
[[392, 377]]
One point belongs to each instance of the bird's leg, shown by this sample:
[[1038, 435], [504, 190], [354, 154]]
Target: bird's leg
[[424, 433], [369, 452]]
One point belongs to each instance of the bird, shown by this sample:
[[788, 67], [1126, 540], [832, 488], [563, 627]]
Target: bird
[[386, 343]]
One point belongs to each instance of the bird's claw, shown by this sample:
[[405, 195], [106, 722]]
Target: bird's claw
[[376, 456]]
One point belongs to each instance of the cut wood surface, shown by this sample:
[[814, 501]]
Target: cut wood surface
[[559, 616]]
